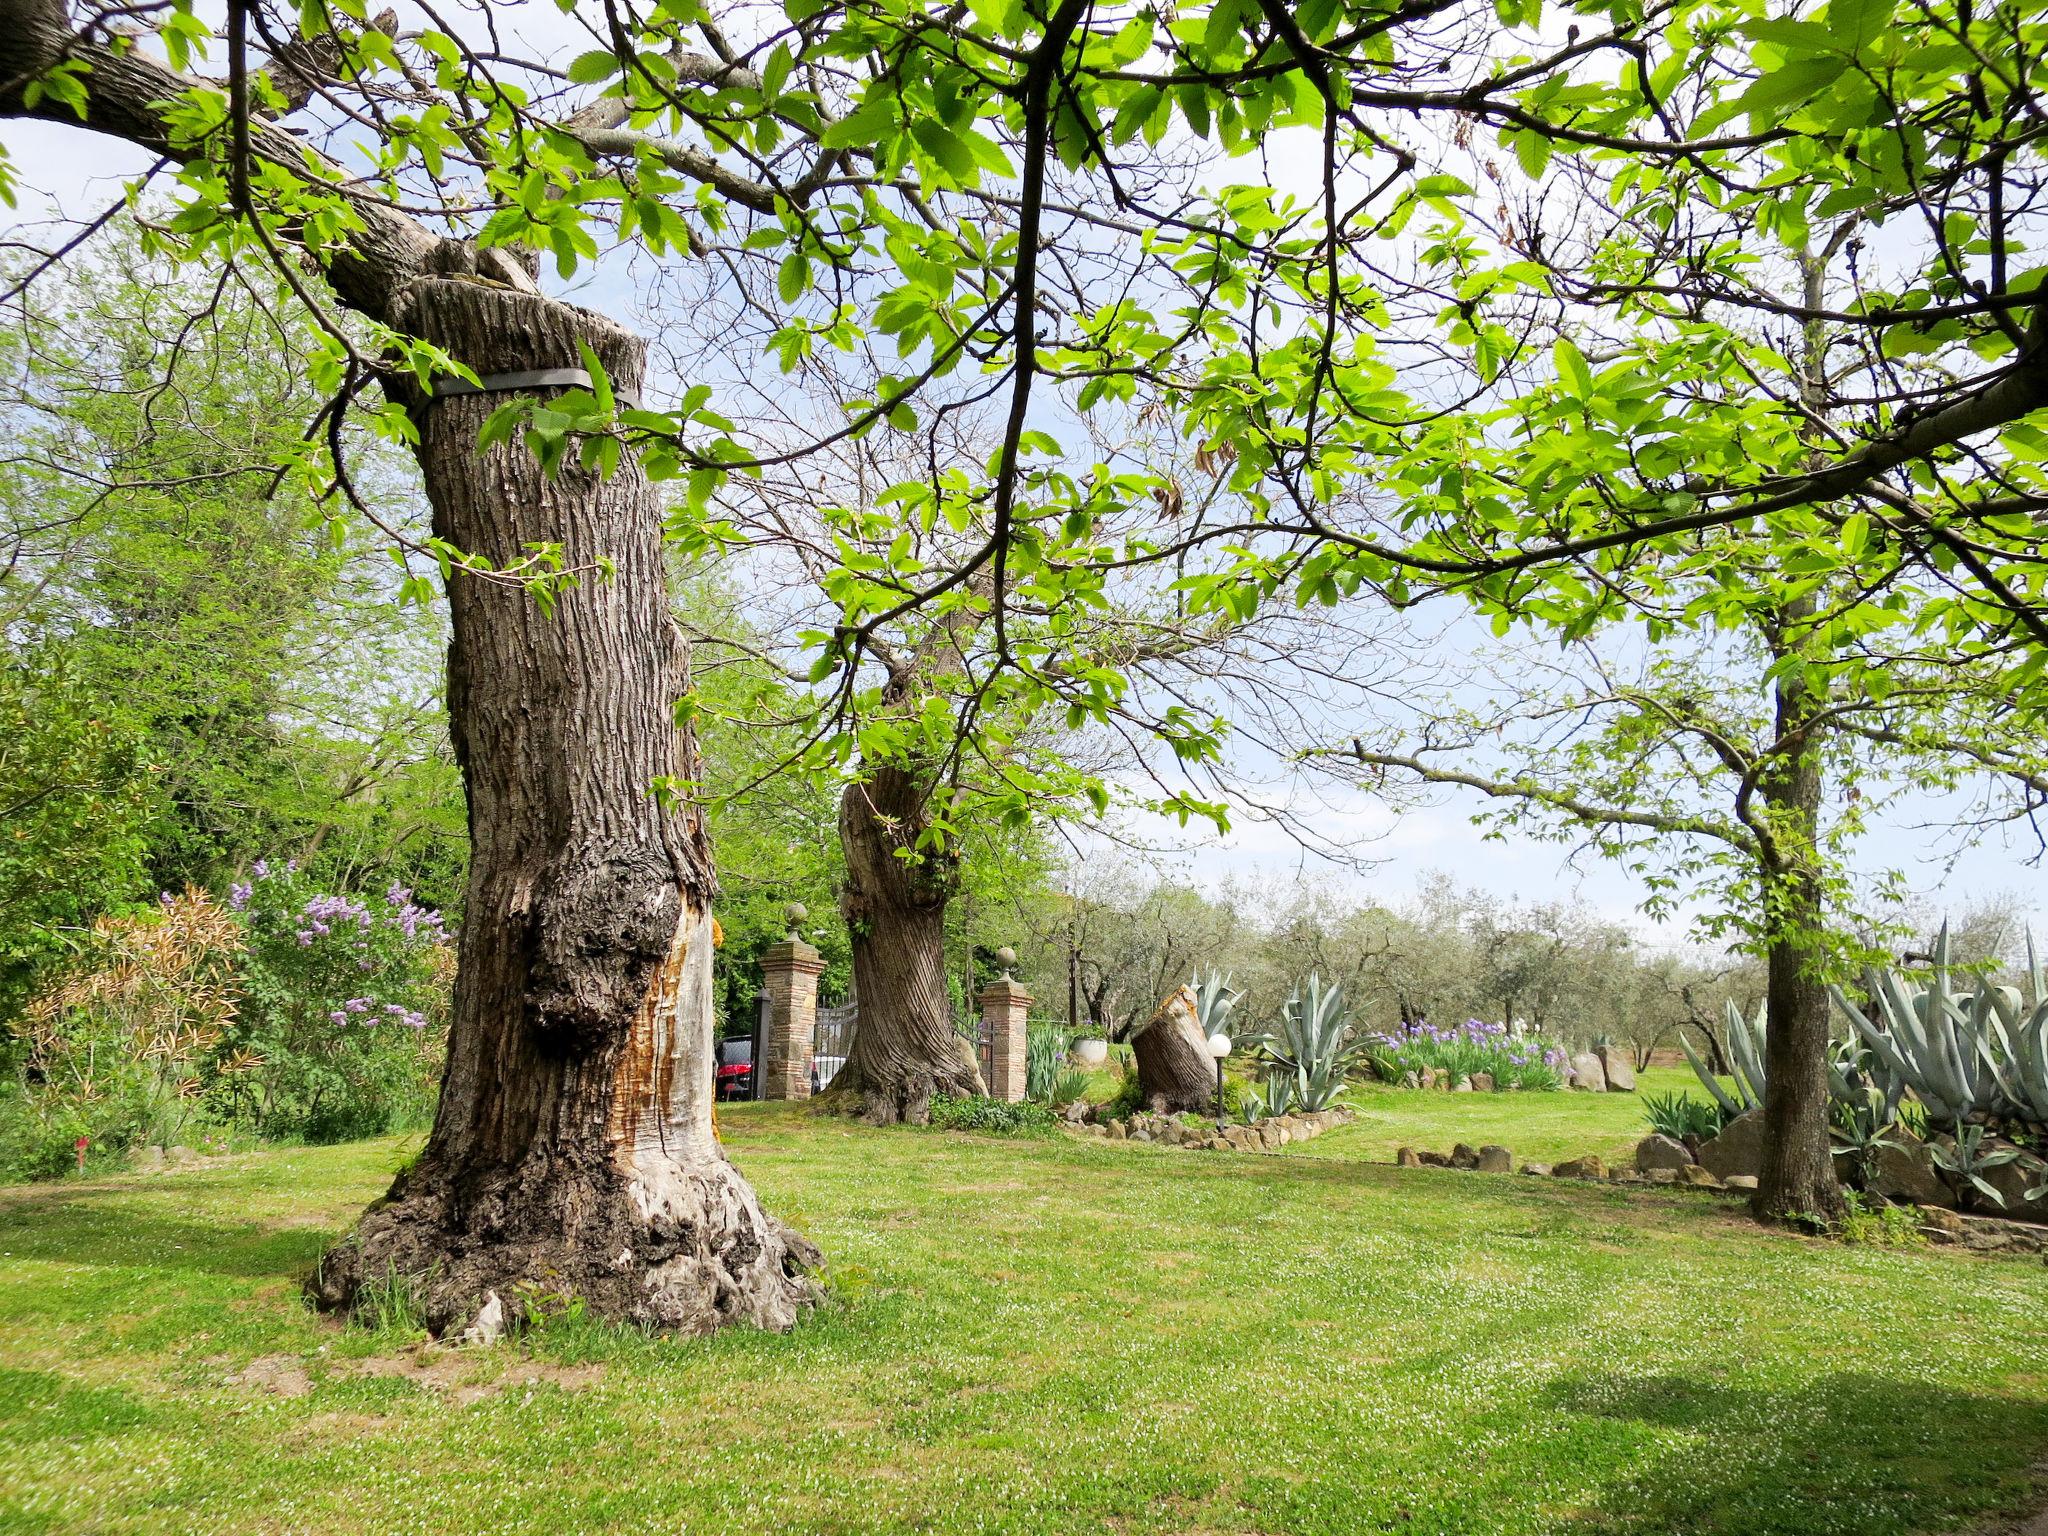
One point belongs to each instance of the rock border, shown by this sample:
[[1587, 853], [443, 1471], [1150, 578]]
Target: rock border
[[1268, 1135]]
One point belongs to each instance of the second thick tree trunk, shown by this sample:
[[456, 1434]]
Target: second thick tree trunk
[[905, 1046], [573, 1153]]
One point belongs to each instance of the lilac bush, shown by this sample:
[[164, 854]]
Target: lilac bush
[[1464, 1050], [344, 1017]]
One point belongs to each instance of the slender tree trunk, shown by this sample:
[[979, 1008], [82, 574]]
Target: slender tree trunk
[[573, 1151], [1798, 1175], [905, 1048]]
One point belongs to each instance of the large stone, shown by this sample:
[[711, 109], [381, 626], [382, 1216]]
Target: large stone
[[1406, 1158], [1994, 1234], [1589, 1167], [1482, 1082], [1739, 1150], [1536, 1170], [1939, 1223], [1428, 1077], [1117, 1130], [1587, 1073], [1410, 1080], [1657, 1151], [1496, 1159], [1464, 1085], [1904, 1170], [1694, 1174], [2013, 1180], [1434, 1159], [1662, 1175], [1463, 1156], [1621, 1075]]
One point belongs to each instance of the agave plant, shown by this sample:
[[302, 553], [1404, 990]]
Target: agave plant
[[2018, 1044], [1863, 1126], [1679, 1115], [1938, 1040], [1967, 1162], [1312, 1046], [1275, 1096], [1745, 1056], [1860, 1080], [1214, 1004]]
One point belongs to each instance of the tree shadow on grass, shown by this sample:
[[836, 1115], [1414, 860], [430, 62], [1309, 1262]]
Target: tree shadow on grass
[[1849, 1452], [96, 1227]]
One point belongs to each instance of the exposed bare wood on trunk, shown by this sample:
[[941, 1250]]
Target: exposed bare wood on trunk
[[905, 1047], [573, 1150], [1175, 1070]]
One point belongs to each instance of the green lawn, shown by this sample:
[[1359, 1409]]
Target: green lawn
[[1539, 1127], [1043, 1336]]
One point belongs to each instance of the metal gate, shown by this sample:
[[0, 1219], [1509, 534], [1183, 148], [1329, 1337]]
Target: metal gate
[[832, 1037], [830, 1041]]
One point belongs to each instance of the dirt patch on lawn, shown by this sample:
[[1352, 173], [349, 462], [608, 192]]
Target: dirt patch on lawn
[[279, 1375], [468, 1378]]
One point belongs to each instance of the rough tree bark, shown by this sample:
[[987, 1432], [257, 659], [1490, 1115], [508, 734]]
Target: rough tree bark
[[1797, 1180], [905, 1048], [573, 1149], [1175, 1070], [573, 1152]]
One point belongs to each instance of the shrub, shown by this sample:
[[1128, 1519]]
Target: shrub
[[1462, 1050], [1679, 1115], [1128, 1099], [1882, 1226], [345, 1010], [116, 1050], [994, 1117]]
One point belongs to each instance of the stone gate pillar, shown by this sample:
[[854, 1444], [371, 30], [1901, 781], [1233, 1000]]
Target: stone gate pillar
[[789, 975], [1004, 1007]]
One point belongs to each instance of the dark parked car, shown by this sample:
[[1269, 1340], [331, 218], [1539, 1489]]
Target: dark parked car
[[735, 1072]]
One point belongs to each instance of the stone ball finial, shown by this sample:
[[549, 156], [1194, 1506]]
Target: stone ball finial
[[1006, 957], [794, 914]]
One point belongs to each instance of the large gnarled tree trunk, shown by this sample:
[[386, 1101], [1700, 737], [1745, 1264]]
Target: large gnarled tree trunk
[[905, 1047], [573, 1151]]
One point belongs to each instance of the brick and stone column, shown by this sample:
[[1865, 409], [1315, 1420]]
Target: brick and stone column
[[789, 974], [1004, 1007]]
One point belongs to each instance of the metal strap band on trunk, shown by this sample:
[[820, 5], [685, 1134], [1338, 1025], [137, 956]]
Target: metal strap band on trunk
[[538, 378]]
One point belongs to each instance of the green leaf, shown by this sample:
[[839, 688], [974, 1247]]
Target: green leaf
[[1572, 369], [793, 277], [590, 68], [1856, 24]]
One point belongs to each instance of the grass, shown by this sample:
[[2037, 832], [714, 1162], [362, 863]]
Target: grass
[[1536, 1127], [1047, 1335]]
